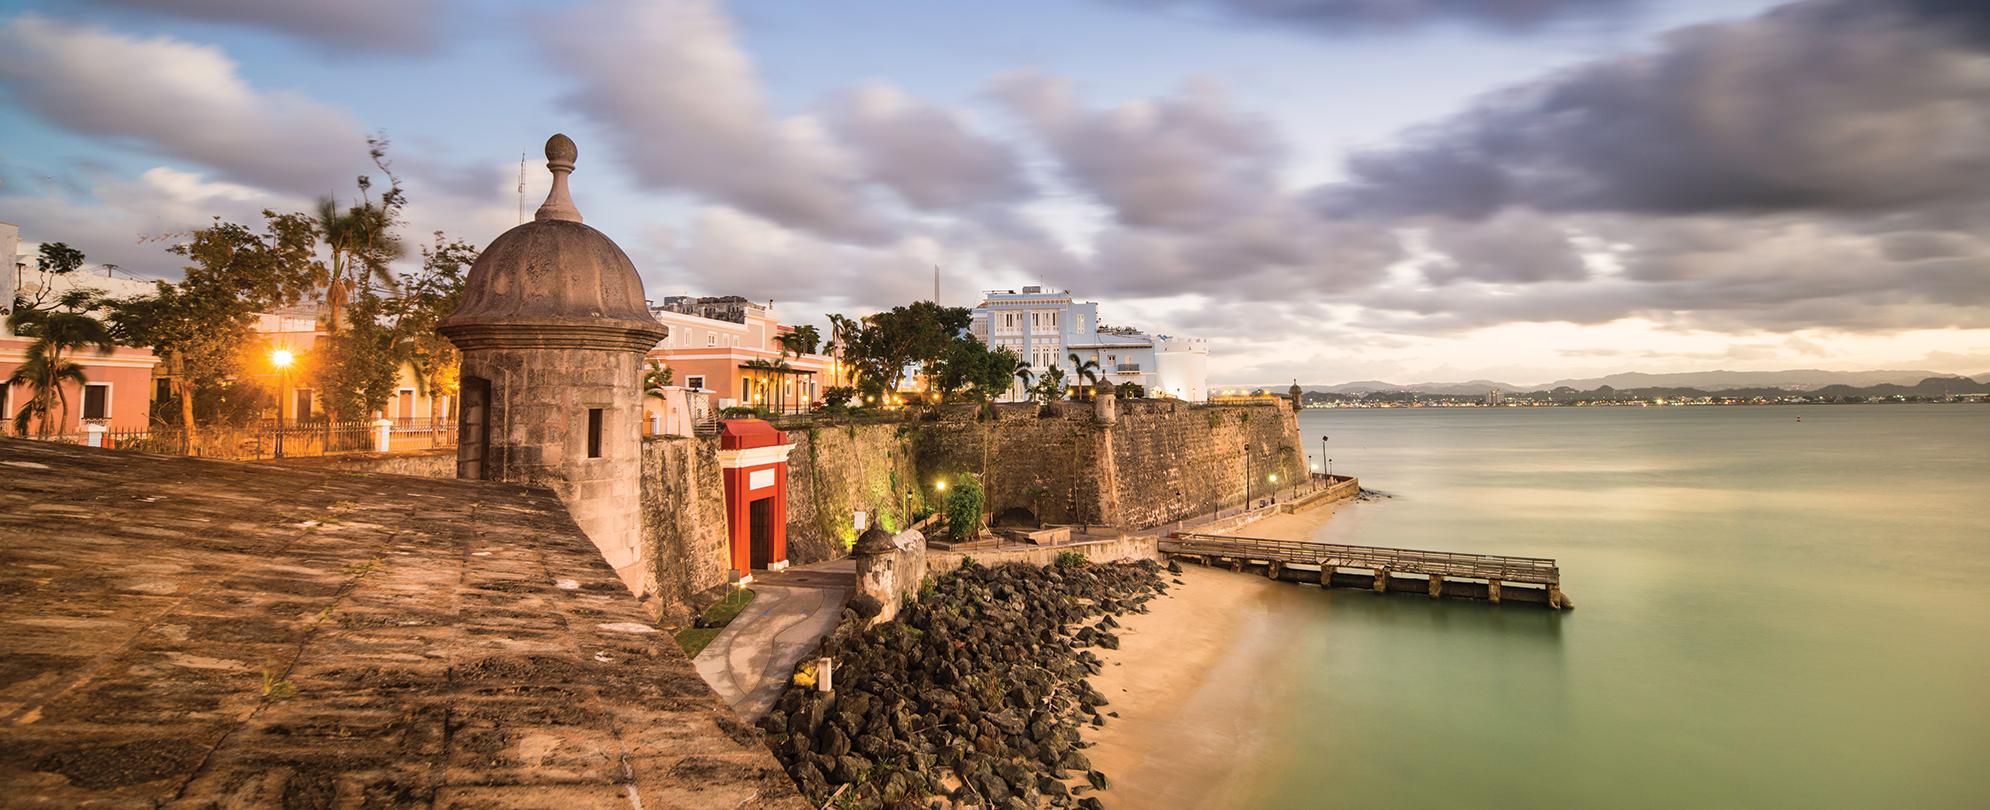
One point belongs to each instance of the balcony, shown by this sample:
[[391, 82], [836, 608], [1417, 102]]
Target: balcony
[[1125, 368]]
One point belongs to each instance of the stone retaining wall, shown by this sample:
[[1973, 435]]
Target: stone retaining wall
[[835, 472], [438, 462], [1125, 548], [1157, 461]]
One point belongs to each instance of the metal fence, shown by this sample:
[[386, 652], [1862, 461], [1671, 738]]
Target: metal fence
[[270, 439]]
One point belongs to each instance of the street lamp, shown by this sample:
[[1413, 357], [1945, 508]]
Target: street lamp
[[1323, 454], [282, 359]]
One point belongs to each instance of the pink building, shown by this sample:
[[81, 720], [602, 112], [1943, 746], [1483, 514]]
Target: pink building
[[723, 347], [117, 392]]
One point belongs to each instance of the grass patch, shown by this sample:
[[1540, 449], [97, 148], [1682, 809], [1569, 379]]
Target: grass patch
[[694, 638]]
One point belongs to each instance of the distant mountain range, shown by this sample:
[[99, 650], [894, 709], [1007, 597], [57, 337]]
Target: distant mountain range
[[1709, 381]]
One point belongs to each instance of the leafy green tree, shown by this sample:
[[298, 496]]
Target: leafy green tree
[[203, 326], [963, 506], [921, 332], [63, 328], [973, 370], [424, 301], [354, 369]]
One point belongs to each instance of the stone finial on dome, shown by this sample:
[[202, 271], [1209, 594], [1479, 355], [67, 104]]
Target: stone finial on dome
[[560, 154]]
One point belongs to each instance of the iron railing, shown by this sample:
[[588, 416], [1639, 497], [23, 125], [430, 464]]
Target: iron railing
[[1375, 558]]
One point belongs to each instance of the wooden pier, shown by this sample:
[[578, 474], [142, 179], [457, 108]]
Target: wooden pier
[[1493, 577]]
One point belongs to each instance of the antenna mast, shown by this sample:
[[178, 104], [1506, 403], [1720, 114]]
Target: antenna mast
[[521, 186]]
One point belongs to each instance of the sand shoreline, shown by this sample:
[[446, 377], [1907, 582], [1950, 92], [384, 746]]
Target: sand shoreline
[[1194, 681]]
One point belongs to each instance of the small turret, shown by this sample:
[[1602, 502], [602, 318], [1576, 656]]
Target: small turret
[[553, 327]]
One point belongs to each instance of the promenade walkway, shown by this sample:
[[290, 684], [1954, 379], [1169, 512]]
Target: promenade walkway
[[749, 662]]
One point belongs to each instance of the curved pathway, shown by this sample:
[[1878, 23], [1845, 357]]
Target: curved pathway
[[749, 662]]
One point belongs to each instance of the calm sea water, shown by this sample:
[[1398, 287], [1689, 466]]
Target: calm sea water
[[1772, 613]]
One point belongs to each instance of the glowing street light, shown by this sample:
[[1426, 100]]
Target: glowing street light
[[282, 359], [941, 486]]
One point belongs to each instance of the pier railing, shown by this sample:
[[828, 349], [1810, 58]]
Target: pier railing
[[1447, 573], [1535, 570]]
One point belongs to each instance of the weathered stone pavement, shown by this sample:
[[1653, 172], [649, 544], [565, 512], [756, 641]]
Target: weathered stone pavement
[[200, 633]]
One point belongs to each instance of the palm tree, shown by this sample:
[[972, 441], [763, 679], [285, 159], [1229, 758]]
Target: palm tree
[[1050, 385], [841, 329], [1087, 370], [807, 338], [771, 370], [656, 378], [45, 370], [362, 245], [1023, 373]]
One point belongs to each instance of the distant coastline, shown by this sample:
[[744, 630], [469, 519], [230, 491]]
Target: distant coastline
[[1931, 389]]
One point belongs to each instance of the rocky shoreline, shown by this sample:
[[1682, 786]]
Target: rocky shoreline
[[976, 693]]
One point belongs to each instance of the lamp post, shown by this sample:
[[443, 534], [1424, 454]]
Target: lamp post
[[1247, 476], [282, 359], [1323, 454]]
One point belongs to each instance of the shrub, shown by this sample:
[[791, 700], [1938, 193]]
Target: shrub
[[963, 507], [1069, 559]]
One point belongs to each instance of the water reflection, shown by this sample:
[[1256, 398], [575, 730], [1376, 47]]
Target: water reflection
[[1770, 613]]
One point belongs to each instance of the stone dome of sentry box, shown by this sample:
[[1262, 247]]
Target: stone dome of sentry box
[[554, 281], [553, 328]]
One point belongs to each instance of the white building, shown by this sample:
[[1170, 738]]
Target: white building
[[1044, 327]]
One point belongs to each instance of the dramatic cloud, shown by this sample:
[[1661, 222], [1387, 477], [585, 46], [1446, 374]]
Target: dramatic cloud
[[924, 152], [131, 222], [1347, 16], [1196, 201], [1822, 165], [1186, 162], [1514, 247], [1813, 106], [179, 100], [397, 26], [681, 105]]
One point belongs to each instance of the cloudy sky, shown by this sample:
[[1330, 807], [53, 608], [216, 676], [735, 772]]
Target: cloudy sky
[[1329, 190]]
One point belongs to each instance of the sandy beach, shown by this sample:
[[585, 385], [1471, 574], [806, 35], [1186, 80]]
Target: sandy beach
[[1194, 681]]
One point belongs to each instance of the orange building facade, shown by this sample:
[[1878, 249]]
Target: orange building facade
[[725, 349]]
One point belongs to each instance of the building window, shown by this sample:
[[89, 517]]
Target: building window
[[303, 408], [97, 401], [594, 433], [695, 382], [711, 339]]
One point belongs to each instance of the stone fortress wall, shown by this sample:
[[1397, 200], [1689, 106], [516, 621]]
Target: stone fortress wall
[[1155, 462]]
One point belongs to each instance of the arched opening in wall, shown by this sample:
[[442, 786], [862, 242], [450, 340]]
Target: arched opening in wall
[[1017, 517], [473, 429]]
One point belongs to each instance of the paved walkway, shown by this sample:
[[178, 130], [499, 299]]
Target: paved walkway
[[750, 661]]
